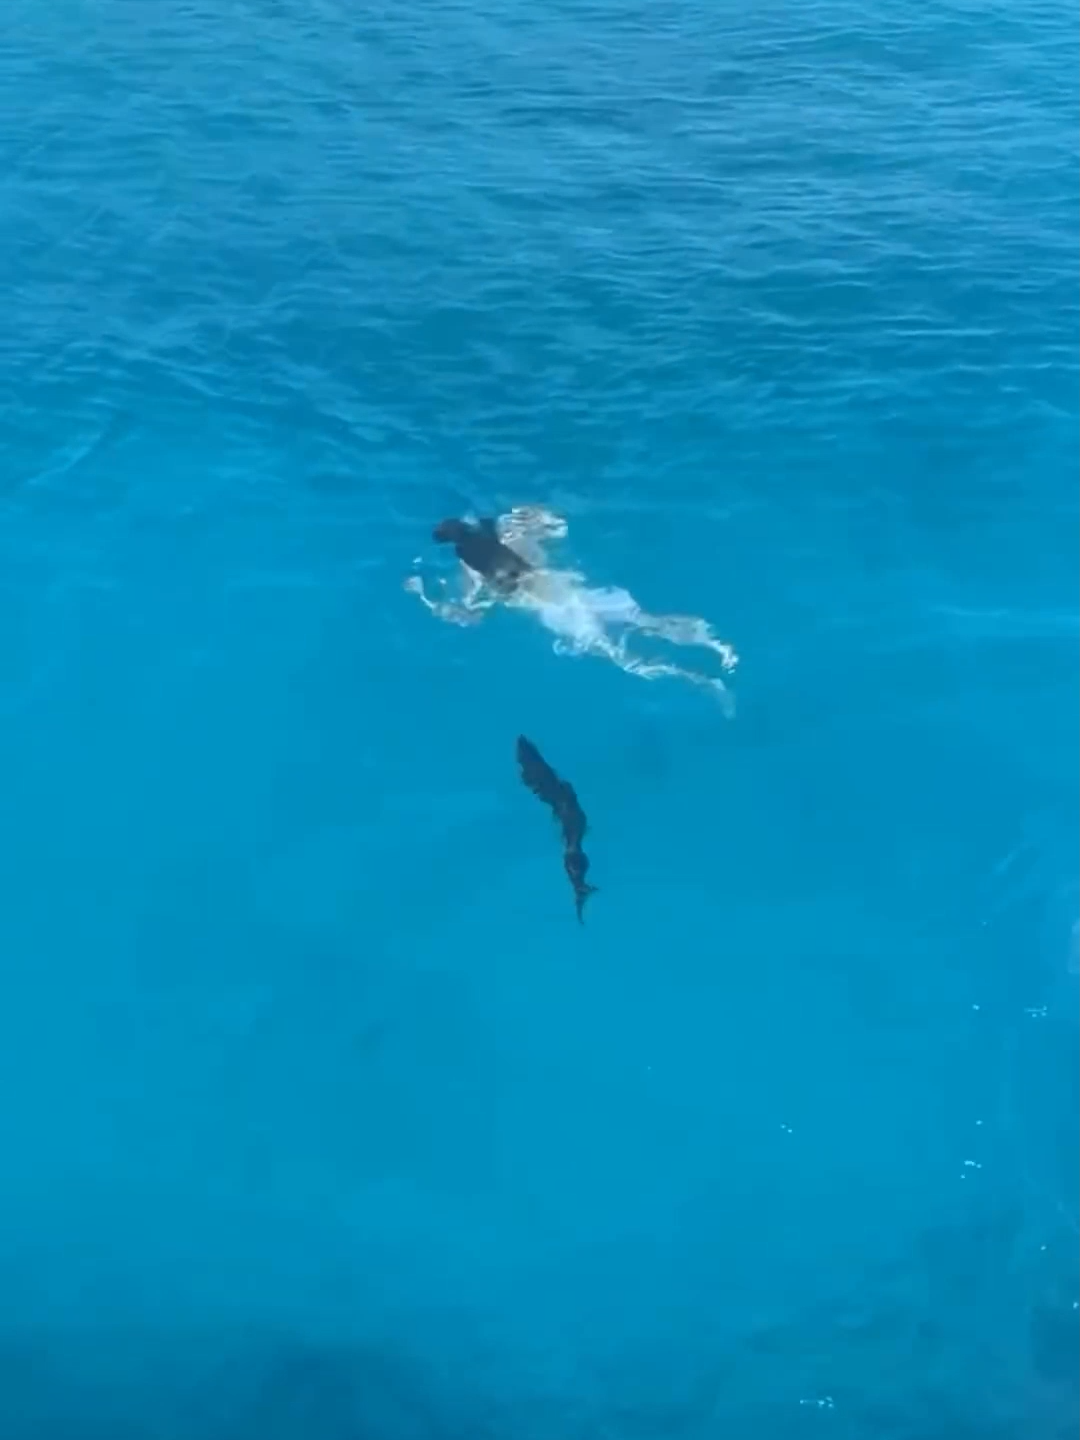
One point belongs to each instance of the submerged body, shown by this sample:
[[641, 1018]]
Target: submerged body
[[504, 562]]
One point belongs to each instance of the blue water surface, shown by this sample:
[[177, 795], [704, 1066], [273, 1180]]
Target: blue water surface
[[322, 1117]]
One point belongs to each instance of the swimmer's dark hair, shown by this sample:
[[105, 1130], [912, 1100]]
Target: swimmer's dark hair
[[449, 532]]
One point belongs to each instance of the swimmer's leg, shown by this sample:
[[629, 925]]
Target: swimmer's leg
[[659, 670], [686, 630]]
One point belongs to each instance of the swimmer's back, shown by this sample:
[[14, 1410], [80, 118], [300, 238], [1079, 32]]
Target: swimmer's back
[[479, 547]]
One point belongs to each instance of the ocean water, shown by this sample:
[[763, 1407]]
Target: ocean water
[[322, 1116]]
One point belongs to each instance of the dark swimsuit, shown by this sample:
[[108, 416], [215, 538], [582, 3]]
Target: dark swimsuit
[[479, 547]]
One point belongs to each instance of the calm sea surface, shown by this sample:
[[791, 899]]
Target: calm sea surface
[[322, 1117]]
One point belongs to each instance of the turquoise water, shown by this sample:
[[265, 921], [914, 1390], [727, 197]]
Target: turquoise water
[[323, 1118]]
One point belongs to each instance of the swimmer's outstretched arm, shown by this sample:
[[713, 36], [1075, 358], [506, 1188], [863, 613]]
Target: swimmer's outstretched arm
[[469, 610], [526, 527], [475, 594]]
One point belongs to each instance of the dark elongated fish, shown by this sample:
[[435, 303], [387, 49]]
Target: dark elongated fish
[[559, 794]]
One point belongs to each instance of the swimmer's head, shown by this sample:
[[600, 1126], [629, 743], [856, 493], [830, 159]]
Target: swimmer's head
[[450, 532]]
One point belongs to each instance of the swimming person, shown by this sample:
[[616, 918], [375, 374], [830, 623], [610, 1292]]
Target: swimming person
[[505, 562], [481, 552]]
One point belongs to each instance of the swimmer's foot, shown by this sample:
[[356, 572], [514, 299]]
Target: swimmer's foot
[[688, 630], [659, 670]]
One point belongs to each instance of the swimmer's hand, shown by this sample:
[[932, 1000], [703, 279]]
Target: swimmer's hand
[[449, 610]]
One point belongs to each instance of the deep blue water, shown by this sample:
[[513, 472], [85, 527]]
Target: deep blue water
[[322, 1118]]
